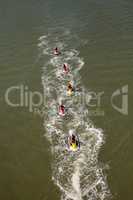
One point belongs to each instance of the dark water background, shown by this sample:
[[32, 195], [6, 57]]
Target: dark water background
[[25, 158]]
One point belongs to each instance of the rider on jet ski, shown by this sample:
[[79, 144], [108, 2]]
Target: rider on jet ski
[[70, 87], [56, 51], [65, 68], [73, 141], [62, 110]]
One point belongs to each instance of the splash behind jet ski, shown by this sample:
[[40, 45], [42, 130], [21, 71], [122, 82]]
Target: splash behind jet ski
[[73, 143]]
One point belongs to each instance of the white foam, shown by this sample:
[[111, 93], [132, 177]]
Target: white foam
[[77, 175]]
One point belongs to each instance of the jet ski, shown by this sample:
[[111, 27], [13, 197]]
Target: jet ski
[[69, 92], [62, 110], [73, 143], [56, 52], [70, 89], [65, 68]]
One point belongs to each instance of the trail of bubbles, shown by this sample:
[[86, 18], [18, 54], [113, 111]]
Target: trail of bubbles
[[78, 174]]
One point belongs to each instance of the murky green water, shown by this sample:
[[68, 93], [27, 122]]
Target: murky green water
[[25, 159]]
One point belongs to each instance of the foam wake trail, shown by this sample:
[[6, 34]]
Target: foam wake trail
[[78, 174]]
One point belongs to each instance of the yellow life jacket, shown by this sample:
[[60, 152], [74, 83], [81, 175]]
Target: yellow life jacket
[[74, 146]]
